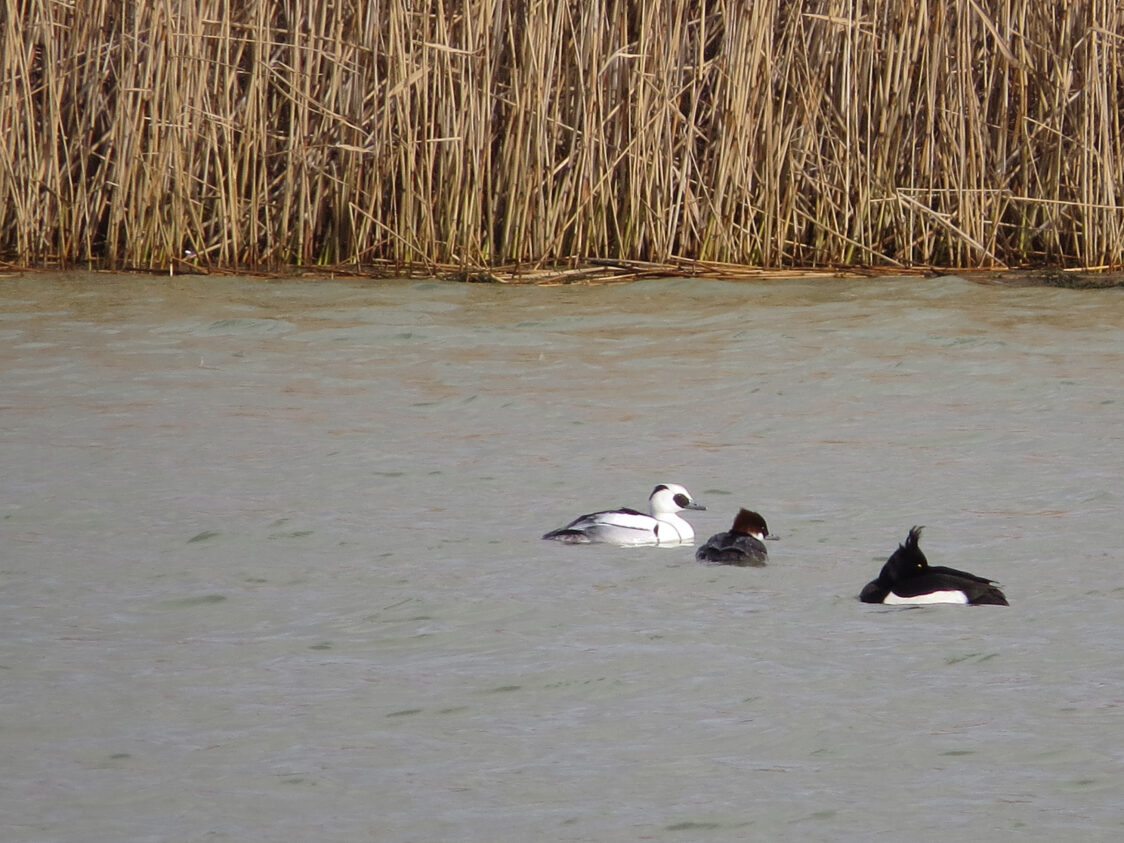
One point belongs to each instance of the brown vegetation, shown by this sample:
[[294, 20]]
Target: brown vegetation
[[481, 133]]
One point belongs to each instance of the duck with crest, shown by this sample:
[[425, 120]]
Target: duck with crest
[[907, 578]]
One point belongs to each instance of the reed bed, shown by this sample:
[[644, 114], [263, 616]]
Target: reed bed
[[413, 134]]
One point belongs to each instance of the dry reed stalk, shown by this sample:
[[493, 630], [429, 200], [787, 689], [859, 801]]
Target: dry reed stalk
[[478, 133]]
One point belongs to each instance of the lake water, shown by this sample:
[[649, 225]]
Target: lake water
[[271, 566]]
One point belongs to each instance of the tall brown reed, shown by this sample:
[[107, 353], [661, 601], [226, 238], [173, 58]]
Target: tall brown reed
[[481, 132]]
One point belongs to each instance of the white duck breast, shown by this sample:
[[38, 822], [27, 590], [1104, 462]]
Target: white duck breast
[[930, 599], [628, 527]]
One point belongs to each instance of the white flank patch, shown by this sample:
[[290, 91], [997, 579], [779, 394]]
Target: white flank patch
[[924, 599]]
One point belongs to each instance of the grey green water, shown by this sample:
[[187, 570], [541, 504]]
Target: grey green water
[[271, 567]]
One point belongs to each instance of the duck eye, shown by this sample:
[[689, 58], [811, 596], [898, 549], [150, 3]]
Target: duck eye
[[682, 500]]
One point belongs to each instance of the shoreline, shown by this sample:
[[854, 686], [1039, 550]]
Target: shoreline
[[599, 271]]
